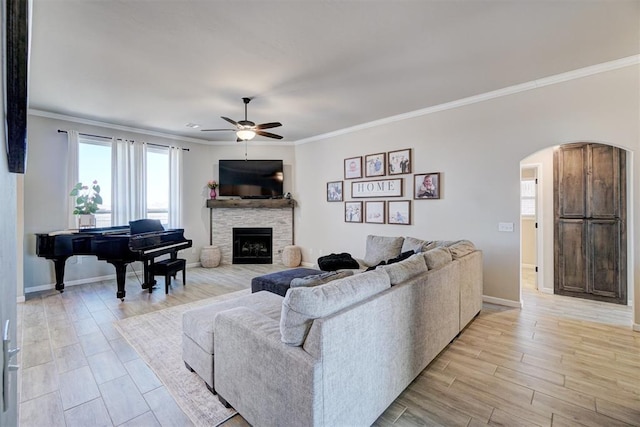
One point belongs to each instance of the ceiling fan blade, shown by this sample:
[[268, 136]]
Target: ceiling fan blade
[[233, 122], [268, 134], [214, 130], [268, 125]]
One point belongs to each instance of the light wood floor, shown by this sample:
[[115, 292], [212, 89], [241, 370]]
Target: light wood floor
[[557, 361]]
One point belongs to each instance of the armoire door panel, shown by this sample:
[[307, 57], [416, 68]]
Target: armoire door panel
[[572, 185], [572, 268], [604, 181], [604, 236]]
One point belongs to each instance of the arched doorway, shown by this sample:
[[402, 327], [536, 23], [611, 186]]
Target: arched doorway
[[543, 162]]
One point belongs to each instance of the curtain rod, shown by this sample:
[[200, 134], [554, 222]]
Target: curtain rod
[[119, 139]]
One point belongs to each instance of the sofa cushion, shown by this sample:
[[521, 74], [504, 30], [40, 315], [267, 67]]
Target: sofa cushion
[[415, 245], [381, 248], [406, 269], [436, 258], [302, 305], [319, 279], [461, 248]]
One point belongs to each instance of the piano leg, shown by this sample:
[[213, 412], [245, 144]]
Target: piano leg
[[121, 270], [58, 264], [149, 280]]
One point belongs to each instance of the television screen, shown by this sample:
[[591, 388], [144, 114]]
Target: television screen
[[250, 178]]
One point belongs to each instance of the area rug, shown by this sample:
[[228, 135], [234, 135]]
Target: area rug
[[157, 337]]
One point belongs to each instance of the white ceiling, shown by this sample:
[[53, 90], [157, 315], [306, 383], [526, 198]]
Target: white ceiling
[[315, 66]]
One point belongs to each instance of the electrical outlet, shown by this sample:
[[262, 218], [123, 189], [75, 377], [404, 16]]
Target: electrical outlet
[[505, 226]]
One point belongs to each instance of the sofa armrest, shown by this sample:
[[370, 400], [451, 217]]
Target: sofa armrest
[[265, 380]]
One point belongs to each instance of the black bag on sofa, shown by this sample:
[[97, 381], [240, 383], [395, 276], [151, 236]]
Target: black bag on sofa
[[335, 262]]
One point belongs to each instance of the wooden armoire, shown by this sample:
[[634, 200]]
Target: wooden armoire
[[590, 245]]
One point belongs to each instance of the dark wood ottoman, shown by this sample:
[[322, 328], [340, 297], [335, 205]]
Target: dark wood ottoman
[[278, 282]]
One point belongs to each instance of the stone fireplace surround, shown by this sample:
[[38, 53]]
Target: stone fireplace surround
[[272, 213]]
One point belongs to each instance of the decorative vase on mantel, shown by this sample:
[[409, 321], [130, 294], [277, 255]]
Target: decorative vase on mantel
[[213, 194], [86, 221]]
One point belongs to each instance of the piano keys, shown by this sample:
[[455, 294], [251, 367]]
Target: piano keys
[[143, 240]]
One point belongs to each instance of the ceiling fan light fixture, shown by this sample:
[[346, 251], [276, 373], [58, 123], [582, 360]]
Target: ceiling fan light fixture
[[245, 134]]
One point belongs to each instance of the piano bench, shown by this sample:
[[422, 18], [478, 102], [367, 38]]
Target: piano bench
[[168, 268]]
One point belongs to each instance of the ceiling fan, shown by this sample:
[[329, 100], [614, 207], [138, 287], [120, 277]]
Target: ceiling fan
[[246, 130]]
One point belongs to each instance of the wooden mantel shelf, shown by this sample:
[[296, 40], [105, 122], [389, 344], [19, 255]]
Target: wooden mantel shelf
[[250, 203]]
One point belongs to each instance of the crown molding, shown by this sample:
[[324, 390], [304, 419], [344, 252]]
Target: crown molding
[[510, 90]]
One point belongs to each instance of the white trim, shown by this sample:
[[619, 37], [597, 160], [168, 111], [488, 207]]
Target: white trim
[[510, 90], [548, 291], [636, 327], [20, 299], [50, 286], [501, 301]]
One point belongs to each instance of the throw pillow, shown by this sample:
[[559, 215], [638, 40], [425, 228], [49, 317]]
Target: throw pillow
[[381, 248], [301, 306], [413, 244], [406, 269], [399, 258], [436, 258], [461, 248], [319, 279]]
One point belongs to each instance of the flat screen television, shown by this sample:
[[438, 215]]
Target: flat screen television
[[250, 178]]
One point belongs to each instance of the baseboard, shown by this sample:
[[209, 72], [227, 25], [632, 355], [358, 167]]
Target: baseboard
[[636, 327], [307, 264], [20, 299], [50, 286], [501, 301], [529, 266], [546, 291]]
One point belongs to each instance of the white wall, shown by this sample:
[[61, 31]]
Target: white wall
[[46, 192], [478, 149]]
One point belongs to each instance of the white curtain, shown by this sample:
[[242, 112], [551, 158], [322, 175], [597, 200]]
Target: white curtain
[[129, 175], [72, 174], [175, 202]]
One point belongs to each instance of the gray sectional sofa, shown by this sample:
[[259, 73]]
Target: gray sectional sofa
[[341, 352]]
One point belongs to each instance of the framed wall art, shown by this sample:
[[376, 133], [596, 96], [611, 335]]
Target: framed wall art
[[353, 211], [377, 188], [375, 165], [334, 191], [374, 212], [399, 162], [353, 167], [426, 186], [399, 212]]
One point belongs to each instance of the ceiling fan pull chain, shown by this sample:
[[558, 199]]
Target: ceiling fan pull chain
[[245, 150]]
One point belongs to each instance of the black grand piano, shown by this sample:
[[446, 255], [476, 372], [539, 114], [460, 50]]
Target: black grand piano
[[143, 240]]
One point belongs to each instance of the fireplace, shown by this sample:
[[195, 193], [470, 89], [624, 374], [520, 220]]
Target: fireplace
[[252, 245]]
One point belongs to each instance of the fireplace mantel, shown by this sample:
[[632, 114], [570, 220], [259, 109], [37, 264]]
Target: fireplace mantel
[[250, 203], [225, 214]]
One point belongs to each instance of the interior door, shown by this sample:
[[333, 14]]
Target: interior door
[[590, 223]]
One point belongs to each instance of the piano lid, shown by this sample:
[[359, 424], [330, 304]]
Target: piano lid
[[145, 226]]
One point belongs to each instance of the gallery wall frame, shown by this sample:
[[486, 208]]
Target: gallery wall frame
[[375, 165], [353, 211], [353, 167], [426, 186], [399, 212], [334, 191], [377, 188], [399, 162], [375, 212]]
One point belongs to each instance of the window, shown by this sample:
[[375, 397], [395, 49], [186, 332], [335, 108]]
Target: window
[[94, 164], [158, 184], [528, 197]]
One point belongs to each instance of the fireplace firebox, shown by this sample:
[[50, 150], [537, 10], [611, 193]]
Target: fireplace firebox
[[252, 246]]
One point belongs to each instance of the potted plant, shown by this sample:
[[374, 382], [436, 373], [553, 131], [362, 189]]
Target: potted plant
[[87, 201]]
